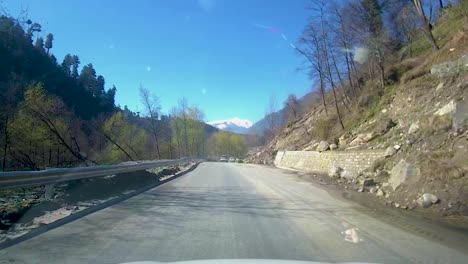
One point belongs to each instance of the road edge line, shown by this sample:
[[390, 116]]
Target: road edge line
[[68, 219]]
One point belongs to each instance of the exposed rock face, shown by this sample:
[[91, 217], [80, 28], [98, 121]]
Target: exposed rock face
[[427, 200], [333, 146], [403, 173], [450, 67], [323, 146]]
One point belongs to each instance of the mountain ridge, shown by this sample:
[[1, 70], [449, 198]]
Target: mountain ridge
[[235, 125]]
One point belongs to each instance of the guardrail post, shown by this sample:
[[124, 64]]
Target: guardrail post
[[49, 191]]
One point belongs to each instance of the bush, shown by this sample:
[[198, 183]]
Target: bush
[[323, 128]]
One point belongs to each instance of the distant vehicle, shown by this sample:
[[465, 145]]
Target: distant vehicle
[[223, 158], [239, 160], [232, 159]]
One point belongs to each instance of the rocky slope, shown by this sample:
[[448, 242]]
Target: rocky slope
[[422, 121]]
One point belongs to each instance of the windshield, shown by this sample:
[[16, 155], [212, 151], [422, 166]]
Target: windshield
[[333, 131]]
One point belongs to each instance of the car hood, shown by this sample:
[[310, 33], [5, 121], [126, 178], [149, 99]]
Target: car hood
[[237, 261]]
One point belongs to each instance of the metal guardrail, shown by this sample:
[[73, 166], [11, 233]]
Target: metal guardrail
[[16, 179]]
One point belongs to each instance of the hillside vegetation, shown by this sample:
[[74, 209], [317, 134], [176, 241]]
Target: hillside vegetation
[[408, 96], [59, 114]]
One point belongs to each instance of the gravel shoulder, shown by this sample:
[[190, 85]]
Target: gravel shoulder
[[451, 230]]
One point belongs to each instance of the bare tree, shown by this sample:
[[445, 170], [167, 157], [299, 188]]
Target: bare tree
[[271, 120], [345, 38], [291, 106], [6, 139], [327, 54], [426, 26], [406, 20], [183, 110], [152, 108], [312, 51]]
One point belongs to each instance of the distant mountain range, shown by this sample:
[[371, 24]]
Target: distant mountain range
[[242, 126], [259, 127], [235, 125]]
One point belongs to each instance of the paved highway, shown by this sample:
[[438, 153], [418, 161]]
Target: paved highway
[[221, 211]]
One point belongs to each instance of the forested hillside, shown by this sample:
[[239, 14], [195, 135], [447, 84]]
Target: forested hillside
[[59, 113]]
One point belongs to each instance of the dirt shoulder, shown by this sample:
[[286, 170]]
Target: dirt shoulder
[[450, 230]]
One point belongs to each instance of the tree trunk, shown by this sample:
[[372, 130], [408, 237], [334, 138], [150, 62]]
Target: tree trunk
[[155, 134], [322, 93], [119, 147], [5, 144], [381, 68], [134, 152], [327, 60], [44, 119], [348, 67], [426, 24]]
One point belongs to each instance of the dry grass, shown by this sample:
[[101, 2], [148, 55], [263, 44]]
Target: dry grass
[[439, 165], [378, 164], [430, 124]]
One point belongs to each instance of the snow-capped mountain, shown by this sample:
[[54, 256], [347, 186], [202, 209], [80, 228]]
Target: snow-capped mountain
[[235, 125]]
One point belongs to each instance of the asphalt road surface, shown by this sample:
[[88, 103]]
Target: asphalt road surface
[[221, 211]]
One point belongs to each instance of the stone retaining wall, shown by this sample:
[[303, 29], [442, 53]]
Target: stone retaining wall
[[353, 161]]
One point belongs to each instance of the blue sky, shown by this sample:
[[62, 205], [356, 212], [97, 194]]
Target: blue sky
[[216, 53]]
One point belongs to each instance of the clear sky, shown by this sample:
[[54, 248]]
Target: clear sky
[[226, 56]]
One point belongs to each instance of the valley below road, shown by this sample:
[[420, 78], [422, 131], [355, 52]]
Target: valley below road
[[244, 211]]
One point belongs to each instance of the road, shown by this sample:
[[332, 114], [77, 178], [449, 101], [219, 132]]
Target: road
[[222, 210]]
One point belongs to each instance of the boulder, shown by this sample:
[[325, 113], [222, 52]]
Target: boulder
[[362, 138], [168, 171], [427, 200], [323, 146], [458, 111], [403, 173], [342, 141], [335, 171], [414, 127], [346, 174], [390, 151], [384, 126], [446, 109], [367, 182], [381, 175], [380, 193], [333, 146]]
